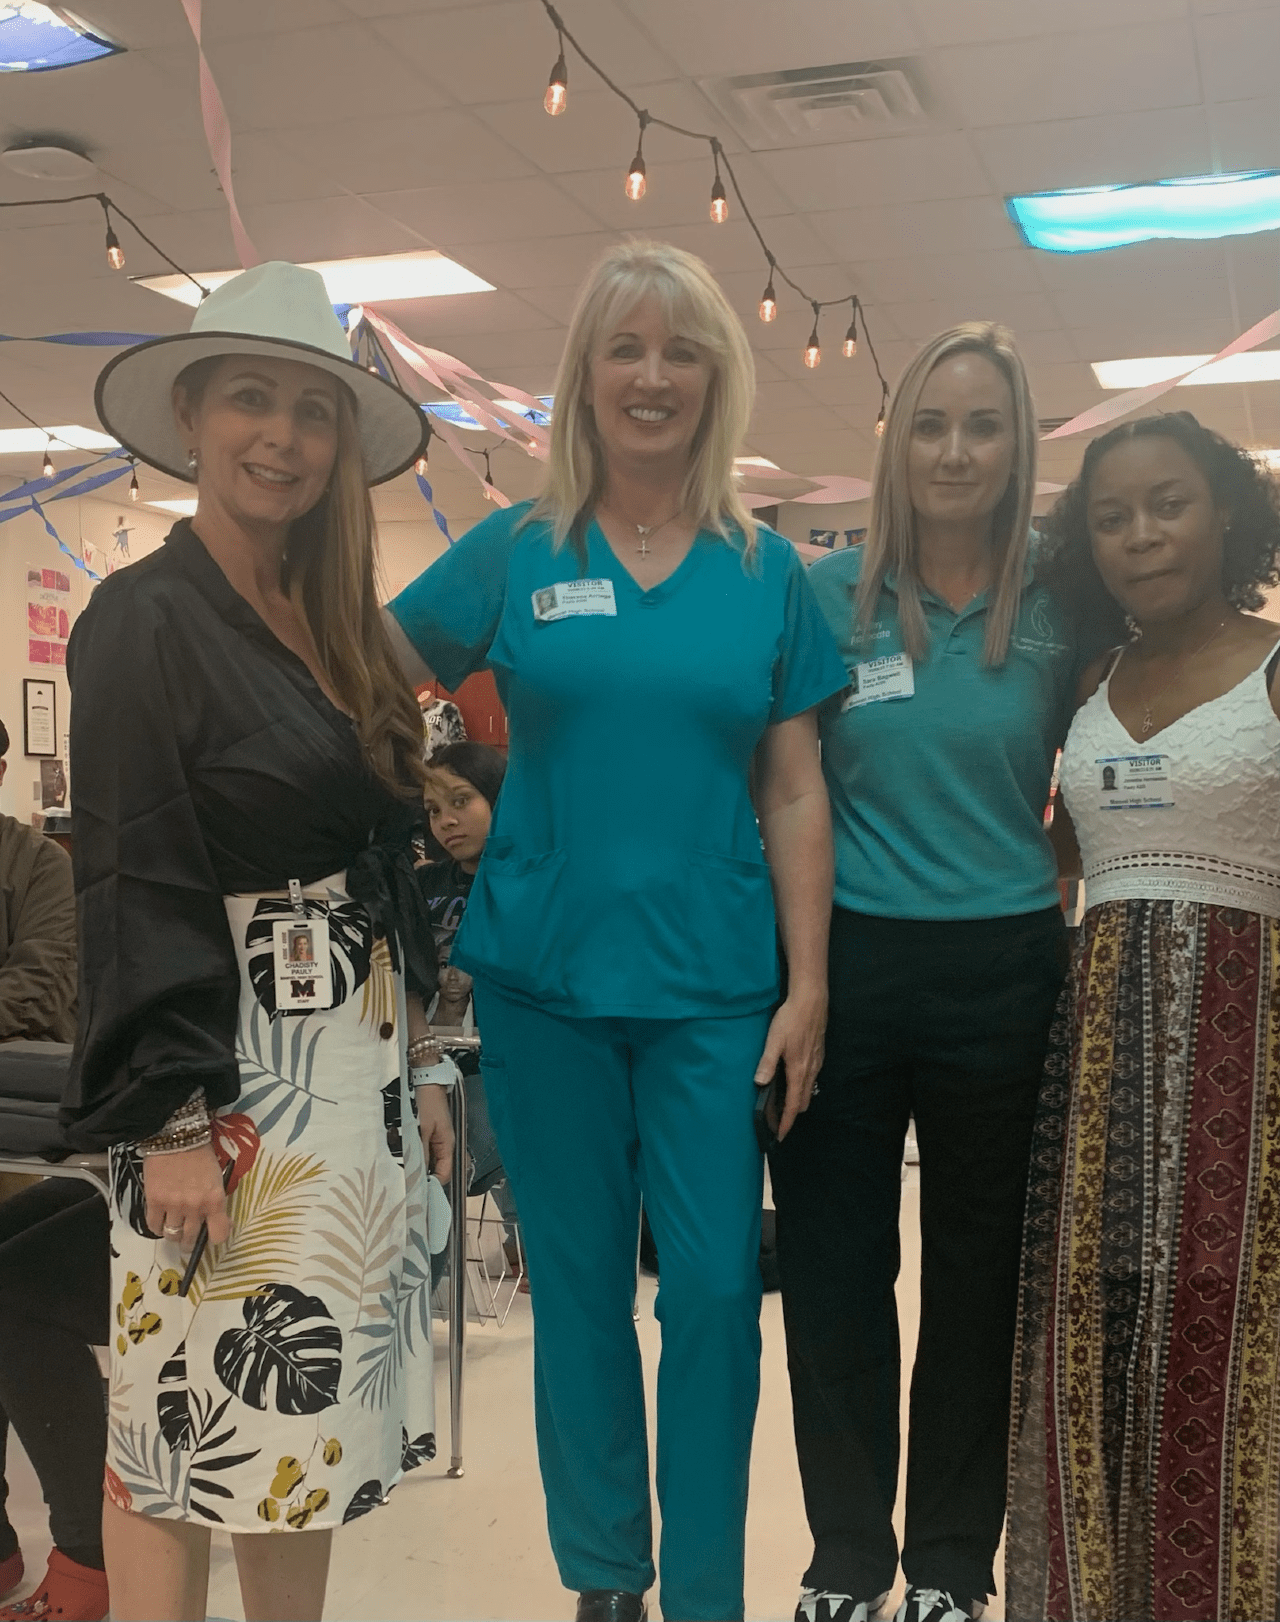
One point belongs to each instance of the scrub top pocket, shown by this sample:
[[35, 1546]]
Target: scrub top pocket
[[516, 899]]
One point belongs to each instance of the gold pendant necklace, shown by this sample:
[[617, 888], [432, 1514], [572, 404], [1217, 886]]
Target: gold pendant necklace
[[645, 530], [1147, 719]]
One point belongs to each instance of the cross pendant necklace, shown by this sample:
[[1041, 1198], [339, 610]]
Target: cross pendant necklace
[[644, 531], [1148, 720]]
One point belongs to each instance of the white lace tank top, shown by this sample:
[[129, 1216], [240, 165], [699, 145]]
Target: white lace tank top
[[1192, 813]]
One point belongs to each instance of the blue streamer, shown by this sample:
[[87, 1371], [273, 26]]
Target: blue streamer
[[33, 506], [39, 487], [83, 340], [431, 501]]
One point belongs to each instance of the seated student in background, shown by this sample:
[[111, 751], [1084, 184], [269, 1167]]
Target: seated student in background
[[54, 1308], [37, 932], [463, 780]]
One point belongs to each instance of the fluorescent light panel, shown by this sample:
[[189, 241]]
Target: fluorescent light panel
[[1255, 366], [184, 507], [382, 279], [69, 437], [1195, 207]]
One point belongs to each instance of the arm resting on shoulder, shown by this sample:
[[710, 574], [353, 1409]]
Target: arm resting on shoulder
[[795, 821], [415, 668]]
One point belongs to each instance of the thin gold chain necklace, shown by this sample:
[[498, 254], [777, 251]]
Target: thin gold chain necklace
[[645, 530], [1147, 720]]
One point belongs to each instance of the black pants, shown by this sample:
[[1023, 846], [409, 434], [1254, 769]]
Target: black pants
[[947, 1022], [54, 1305]]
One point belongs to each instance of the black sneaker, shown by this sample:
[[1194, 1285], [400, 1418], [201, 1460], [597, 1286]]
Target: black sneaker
[[821, 1605], [935, 1605]]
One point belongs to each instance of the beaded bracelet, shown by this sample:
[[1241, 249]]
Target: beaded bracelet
[[187, 1128], [421, 1046]]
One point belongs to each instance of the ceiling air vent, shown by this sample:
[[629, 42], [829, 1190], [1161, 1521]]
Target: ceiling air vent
[[1048, 425], [802, 106]]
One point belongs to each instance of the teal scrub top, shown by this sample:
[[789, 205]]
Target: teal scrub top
[[623, 874], [938, 799]]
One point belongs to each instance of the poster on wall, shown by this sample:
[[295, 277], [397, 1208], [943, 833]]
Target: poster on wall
[[48, 616], [53, 785], [830, 538]]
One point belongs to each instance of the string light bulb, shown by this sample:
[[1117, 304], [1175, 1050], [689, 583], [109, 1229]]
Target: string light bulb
[[115, 253], [884, 407], [769, 301], [813, 349], [557, 97], [850, 345], [420, 467], [46, 472], [719, 202], [637, 184], [133, 483]]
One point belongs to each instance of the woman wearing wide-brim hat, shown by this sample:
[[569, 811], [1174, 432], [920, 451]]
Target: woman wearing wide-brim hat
[[248, 763]]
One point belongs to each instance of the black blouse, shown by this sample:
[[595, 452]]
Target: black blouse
[[206, 761]]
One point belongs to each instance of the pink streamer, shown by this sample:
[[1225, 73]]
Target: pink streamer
[[217, 132]]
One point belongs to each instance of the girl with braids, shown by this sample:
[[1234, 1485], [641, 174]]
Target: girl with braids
[[1144, 1471]]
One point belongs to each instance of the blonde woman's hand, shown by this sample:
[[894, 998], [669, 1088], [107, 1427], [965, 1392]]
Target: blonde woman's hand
[[183, 1191], [796, 1039], [435, 1127]]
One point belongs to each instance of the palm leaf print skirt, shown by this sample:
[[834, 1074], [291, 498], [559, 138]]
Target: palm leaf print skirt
[[294, 1385]]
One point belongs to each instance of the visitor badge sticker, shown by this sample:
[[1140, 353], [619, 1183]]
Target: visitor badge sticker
[[890, 676], [304, 981], [572, 597], [1134, 783]]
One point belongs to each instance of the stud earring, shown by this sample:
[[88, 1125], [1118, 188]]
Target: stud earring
[[192, 461]]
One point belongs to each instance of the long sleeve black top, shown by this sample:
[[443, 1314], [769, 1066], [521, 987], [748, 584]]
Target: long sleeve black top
[[206, 761]]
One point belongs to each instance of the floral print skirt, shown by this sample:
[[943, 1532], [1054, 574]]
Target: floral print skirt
[[294, 1385]]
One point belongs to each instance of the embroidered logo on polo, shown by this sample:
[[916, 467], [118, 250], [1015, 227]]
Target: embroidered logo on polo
[[1044, 637]]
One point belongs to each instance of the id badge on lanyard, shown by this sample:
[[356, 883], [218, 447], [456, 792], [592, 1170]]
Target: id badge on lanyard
[[875, 680], [304, 978]]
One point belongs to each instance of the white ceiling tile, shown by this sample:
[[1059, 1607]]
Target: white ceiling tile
[[498, 52], [1024, 312], [1102, 151], [402, 151], [952, 22], [1072, 75], [318, 77], [547, 262], [967, 225], [902, 169], [322, 228], [756, 36], [1245, 133], [1239, 53], [927, 276], [487, 212]]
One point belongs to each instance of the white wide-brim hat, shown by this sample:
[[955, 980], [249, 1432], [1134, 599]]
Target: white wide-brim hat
[[273, 309]]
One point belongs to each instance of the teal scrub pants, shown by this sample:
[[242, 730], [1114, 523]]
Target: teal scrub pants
[[590, 1115]]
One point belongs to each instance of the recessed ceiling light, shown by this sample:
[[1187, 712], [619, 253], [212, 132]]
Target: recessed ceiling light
[[37, 39], [1195, 206], [420, 274], [1255, 366], [183, 506], [69, 437], [48, 163]]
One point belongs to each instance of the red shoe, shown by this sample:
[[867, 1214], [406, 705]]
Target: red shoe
[[69, 1591], [11, 1571]]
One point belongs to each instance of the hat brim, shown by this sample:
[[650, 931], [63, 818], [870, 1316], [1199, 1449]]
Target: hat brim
[[134, 400]]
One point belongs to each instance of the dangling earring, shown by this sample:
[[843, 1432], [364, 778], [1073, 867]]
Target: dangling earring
[[192, 461]]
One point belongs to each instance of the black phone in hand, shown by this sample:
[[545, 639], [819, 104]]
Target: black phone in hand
[[770, 1101]]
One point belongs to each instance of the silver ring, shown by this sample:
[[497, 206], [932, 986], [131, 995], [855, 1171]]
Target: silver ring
[[172, 1233]]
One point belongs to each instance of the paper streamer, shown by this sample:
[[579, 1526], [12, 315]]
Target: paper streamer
[[427, 491], [33, 506], [85, 340], [40, 487], [217, 132]]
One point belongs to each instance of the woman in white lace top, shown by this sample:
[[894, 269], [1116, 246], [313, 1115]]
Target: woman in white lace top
[[1145, 1472]]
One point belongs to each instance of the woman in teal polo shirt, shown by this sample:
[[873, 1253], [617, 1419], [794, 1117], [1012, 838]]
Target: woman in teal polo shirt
[[650, 643], [947, 953]]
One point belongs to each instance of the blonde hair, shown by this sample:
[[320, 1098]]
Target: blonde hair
[[693, 305], [330, 574], [891, 531]]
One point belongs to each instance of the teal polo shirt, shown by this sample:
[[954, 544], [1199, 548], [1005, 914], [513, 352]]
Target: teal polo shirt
[[623, 874], [938, 799]]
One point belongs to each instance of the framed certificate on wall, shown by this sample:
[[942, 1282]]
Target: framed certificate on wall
[[40, 718]]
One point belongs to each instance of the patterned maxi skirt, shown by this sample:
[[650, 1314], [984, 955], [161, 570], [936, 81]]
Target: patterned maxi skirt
[[294, 1384], [1145, 1450]]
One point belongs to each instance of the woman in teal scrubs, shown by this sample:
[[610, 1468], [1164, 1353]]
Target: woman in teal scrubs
[[660, 657]]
